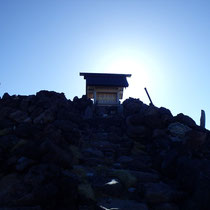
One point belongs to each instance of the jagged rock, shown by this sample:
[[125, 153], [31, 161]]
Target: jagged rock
[[127, 179], [107, 186], [88, 113], [27, 130], [195, 139], [152, 118], [178, 130], [28, 149], [144, 177], [132, 106], [55, 154], [89, 152], [23, 163], [138, 132], [45, 117], [159, 192], [11, 188], [124, 159], [7, 142], [6, 96], [86, 192], [184, 119], [20, 116], [193, 176]]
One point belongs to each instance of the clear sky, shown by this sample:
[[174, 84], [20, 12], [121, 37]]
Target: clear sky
[[164, 44]]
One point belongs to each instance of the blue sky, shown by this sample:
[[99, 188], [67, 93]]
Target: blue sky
[[164, 44]]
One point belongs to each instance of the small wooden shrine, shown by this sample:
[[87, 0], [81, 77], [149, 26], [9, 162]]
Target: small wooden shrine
[[105, 89]]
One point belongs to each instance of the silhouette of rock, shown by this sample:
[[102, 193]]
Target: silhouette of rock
[[61, 154]]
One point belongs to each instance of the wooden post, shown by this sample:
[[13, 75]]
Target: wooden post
[[118, 100], [148, 96], [94, 96], [203, 119]]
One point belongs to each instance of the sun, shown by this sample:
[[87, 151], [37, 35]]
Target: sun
[[131, 65], [141, 65]]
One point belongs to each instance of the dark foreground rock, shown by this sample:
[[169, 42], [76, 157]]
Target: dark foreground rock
[[61, 154]]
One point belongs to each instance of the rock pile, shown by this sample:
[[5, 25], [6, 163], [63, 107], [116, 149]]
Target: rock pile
[[62, 154]]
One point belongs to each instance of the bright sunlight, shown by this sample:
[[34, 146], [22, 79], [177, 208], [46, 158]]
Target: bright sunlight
[[136, 64]]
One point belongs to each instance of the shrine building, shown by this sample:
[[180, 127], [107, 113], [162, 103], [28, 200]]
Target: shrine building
[[105, 89]]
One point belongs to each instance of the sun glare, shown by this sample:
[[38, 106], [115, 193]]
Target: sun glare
[[136, 67], [142, 66]]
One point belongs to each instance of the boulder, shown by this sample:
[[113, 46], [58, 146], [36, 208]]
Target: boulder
[[159, 193], [47, 116], [88, 114], [56, 155], [152, 118], [126, 178], [178, 129], [196, 139], [89, 152], [24, 163], [20, 116], [132, 106], [11, 188], [184, 119]]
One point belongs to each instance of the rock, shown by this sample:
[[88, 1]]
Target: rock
[[178, 130], [168, 165], [152, 117], [86, 192], [28, 149], [196, 139], [144, 177], [189, 172], [45, 117], [5, 131], [127, 179], [54, 154], [132, 106], [113, 188], [166, 206], [184, 119], [23, 163], [164, 111], [88, 113], [135, 119], [77, 155], [104, 145], [122, 204], [158, 192], [137, 132], [65, 125], [11, 188], [59, 154], [6, 96], [93, 161], [5, 123], [89, 152], [124, 159], [106, 186], [27, 130], [7, 142], [20, 116]]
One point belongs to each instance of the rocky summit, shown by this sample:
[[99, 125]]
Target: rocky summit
[[58, 154]]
